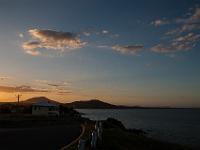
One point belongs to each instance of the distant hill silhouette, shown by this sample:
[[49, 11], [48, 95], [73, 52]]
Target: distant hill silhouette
[[39, 99], [94, 103], [87, 104], [98, 104]]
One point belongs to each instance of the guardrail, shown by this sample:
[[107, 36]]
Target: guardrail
[[76, 140], [94, 139]]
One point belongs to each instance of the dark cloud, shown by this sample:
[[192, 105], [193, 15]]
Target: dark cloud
[[54, 85], [50, 39], [130, 49]]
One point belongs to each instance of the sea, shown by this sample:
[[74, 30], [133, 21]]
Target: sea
[[180, 126]]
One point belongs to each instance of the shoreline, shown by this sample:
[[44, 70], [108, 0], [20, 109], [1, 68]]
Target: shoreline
[[119, 136], [68, 124], [177, 126]]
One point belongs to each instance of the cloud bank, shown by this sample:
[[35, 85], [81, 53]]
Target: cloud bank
[[50, 39], [183, 37], [22, 89], [66, 41], [181, 43], [187, 24]]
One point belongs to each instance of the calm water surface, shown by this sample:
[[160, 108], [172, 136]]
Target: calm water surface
[[173, 125]]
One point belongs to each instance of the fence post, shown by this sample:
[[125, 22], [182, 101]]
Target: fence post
[[94, 140], [81, 144]]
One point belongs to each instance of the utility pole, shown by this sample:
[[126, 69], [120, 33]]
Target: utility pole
[[18, 100], [18, 97]]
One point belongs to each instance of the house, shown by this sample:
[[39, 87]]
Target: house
[[45, 108]]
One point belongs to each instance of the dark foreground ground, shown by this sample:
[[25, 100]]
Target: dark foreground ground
[[117, 139], [38, 138]]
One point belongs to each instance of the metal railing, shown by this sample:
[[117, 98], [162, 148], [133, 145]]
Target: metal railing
[[94, 139]]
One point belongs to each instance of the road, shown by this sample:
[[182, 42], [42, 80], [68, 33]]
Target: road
[[40, 138]]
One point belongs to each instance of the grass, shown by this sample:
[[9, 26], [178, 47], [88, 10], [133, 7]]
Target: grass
[[28, 120]]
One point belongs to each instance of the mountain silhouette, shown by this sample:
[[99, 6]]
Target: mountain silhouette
[[94, 103], [39, 100]]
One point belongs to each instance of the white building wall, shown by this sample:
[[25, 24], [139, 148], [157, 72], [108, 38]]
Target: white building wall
[[36, 110]]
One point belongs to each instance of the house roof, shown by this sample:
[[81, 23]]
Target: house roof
[[45, 104]]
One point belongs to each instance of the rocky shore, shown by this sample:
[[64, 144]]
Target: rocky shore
[[116, 136]]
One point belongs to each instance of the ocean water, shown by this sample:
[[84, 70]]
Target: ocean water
[[174, 125]]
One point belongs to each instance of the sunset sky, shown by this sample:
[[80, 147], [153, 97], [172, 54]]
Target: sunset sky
[[131, 52]]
